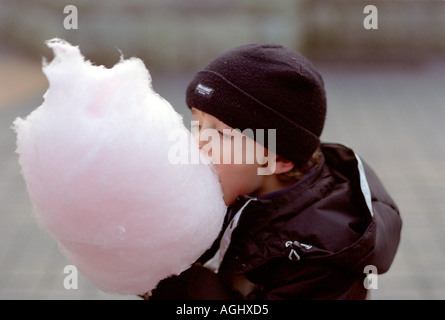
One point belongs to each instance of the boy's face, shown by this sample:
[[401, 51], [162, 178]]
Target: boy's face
[[235, 178]]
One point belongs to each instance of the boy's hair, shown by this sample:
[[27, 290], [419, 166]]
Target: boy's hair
[[265, 86], [298, 173]]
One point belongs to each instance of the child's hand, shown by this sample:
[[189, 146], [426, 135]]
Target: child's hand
[[196, 283]]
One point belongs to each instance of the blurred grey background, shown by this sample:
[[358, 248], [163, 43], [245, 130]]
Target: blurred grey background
[[385, 89]]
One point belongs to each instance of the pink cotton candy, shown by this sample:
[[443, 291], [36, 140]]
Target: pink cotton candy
[[95, 159]]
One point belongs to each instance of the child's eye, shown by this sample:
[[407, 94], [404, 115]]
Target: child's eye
[[225, 135], [196, 126]]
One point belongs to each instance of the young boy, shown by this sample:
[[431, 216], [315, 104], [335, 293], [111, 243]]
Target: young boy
[[314, 224]]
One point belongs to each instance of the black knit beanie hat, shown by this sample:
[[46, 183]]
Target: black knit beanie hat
[[265, 86]]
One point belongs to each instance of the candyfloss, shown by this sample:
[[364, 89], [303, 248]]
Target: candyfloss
[[94, 157]]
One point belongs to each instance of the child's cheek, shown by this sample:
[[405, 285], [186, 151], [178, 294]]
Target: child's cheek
[[237, 179]]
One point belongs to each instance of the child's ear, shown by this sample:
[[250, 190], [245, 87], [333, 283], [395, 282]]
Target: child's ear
[[283, 165]]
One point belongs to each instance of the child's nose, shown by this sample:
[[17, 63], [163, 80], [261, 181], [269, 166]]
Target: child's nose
[[201, 144]]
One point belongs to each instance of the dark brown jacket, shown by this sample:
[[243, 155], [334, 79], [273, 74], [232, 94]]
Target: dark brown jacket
[[313, 240]]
